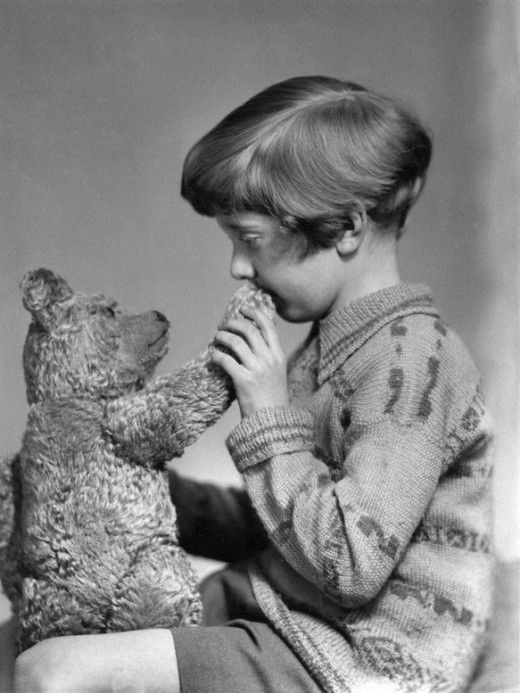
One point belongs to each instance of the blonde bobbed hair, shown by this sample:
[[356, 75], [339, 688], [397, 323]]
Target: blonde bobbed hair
[[311, 151]]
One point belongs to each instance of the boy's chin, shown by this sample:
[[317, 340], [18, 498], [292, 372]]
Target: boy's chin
[[293, 314]]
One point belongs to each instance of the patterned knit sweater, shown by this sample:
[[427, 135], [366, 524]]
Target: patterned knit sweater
[[374, 488]]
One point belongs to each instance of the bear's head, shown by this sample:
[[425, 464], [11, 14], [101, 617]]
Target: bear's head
[[85, 345]]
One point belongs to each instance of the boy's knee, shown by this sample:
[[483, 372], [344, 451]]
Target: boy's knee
[[30, 675]]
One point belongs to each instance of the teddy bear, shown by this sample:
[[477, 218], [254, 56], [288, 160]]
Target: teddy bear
[[88, 536]]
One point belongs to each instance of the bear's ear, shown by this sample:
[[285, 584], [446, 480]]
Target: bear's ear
[[41, 289]]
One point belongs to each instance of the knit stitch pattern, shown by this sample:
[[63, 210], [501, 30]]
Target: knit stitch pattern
[[374, 486]]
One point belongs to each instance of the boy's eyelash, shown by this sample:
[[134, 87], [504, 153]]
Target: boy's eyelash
[[250, 240]]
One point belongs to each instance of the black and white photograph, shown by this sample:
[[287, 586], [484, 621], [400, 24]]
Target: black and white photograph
[[260, 356]]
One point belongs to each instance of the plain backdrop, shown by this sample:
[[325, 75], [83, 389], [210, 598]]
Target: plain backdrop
[[100, 101]]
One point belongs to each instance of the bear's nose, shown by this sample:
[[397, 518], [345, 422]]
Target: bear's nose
[[160, 317]]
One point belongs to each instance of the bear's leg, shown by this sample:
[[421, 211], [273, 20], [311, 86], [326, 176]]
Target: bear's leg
[[159, 590], [46, 610]]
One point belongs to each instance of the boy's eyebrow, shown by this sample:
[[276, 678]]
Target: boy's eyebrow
[[243, 227]]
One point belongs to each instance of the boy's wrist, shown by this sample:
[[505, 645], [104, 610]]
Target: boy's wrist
[[270, 431], [249, 407]]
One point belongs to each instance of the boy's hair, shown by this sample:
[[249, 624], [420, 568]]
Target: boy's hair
[[311, 151]]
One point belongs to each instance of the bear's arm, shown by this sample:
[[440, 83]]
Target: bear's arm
[[159, 422]]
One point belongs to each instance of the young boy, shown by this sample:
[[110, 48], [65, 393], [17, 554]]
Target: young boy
[[360, 546]]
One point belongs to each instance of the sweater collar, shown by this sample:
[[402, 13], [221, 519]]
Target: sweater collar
[[343, 332]]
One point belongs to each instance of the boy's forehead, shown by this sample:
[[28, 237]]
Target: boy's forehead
[[281, 240]]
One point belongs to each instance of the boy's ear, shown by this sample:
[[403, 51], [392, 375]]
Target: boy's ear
[[351, 238], [417, 187], [408, 192], [405, 197]]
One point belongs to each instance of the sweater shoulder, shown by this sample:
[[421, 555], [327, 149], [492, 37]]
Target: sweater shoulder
[[414, 369], [411, 340]]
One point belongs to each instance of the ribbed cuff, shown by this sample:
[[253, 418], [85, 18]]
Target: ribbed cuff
[[268, 432]]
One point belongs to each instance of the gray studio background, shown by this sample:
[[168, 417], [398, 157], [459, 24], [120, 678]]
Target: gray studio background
[[100, 101]]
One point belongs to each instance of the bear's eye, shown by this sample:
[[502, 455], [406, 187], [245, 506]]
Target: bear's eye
[[103, 310]]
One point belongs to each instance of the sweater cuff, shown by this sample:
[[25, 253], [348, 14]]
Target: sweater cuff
[[269, 432]]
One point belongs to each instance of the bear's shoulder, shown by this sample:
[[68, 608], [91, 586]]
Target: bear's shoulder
[[60, 421]]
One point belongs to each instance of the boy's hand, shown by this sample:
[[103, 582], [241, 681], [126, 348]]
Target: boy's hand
[[255, 360]]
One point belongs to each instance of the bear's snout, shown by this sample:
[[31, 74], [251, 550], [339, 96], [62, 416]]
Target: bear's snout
[[145, 335]]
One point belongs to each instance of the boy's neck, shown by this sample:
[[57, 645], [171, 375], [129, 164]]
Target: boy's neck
[[374, 268]]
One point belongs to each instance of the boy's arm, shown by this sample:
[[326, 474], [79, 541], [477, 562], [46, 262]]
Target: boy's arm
[[158, 423], [214, 522], [343, 536], [346, 536]]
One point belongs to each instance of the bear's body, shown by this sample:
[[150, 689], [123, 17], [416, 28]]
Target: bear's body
[[100, 553], [92, 545]]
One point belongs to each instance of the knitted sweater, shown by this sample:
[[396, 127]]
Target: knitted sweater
[[374, 489]]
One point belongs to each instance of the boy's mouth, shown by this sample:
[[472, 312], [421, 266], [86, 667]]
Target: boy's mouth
[[274, 297], [266, 291], [277, 301]]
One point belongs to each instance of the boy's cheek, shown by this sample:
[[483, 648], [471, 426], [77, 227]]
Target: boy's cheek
[[289, 245]]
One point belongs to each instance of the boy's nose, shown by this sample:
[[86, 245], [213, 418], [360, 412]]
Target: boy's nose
[[241, 267]]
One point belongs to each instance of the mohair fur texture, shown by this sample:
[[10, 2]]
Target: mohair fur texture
[[88, 537]]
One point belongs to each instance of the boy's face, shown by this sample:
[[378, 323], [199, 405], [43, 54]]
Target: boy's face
[[302, 289]]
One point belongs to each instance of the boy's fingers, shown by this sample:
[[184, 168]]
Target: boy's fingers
[[265, 324], [237, 345], [226, 362], [248, 331]]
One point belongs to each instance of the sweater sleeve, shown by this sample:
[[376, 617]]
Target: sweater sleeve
[[345, 535], [214, 522]]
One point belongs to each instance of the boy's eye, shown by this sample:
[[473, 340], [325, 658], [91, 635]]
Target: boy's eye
[[251, 241]]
